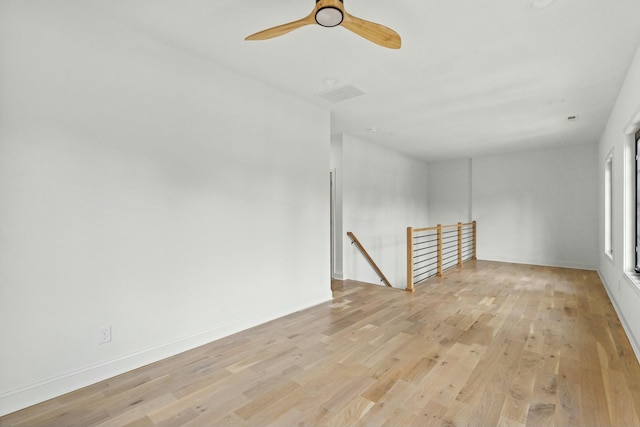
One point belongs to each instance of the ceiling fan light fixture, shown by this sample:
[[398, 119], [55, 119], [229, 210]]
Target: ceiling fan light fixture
[[329, 16]]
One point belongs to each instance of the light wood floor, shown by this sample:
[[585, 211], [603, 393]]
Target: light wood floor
[[491, 344]]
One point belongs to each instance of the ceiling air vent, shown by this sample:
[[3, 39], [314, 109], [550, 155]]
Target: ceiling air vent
[[340, 94]]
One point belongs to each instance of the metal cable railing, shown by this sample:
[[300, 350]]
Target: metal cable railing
[[433, 250]]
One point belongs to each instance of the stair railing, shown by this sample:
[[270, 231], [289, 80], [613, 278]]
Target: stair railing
[[355, 241], [432, 250]]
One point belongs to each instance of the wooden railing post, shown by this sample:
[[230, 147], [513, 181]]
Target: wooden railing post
[[410, 259], [474, 240], [459, 244], [439, 250], [473, 233]]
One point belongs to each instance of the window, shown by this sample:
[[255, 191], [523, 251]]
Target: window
[[608, 205], [631, 200], [637, 146]]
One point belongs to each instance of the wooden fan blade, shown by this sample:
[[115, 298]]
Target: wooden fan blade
[[371, 31], [282, 29]]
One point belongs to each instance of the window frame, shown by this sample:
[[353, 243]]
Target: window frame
[[637, 200], [631, 219], [608, 207]]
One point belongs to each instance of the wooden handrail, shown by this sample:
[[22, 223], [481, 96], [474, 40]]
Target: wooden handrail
[[450, 226], [420, 230], [355, 241]]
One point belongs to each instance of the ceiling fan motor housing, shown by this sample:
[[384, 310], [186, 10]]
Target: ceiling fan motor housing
[[329, 13]]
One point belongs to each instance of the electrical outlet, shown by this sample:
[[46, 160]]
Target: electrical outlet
[[104, 334]]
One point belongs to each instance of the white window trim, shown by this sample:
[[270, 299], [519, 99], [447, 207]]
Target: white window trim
[[629, 200], [609, 234]]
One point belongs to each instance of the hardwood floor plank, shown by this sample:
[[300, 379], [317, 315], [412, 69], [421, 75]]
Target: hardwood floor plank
[[352, 413], [568, 411], [488, 344], [516, 405], [136, 410], [544, 400]]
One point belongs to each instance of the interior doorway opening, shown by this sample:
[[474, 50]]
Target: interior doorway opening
[[332, 213]]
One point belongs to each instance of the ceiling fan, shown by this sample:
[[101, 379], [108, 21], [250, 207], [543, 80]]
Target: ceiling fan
[[331, 13]]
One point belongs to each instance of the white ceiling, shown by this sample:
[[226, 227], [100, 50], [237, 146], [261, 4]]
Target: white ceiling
[[472, 77]]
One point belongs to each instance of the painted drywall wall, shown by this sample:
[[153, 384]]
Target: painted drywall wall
[[538, 207], [450, 192], [624, 292], [148, 189], [383, 192]]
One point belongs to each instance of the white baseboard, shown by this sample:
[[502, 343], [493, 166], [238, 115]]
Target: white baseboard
[[543, 263], [635, 345], [21, 398]]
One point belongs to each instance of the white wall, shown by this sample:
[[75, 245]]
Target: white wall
[[624, 292], [383, 192], [450, 192], [538, 207], [146, 189]]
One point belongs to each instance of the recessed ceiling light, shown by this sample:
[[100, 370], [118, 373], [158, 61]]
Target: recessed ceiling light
[[372, 130], [330, 81], [388, 133], [541, 4]]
